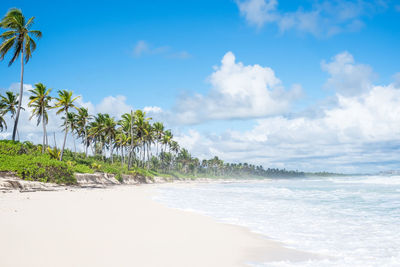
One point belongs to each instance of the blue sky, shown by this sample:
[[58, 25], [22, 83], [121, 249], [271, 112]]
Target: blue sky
[[162, 53]]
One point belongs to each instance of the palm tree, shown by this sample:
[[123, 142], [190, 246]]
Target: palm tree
[[110, 132], [96, 133], [10, 102], [158, 131], [121, 140], [70, 122], [127, 126], [18, 35], [166, 139], [39, 101], [64, 103], [82, 121]]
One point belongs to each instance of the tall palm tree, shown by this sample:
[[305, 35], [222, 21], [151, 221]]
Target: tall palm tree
[[166, 139], [121, 140], [110, 132], [70, 122], [64, 103], [10, 103], [158, 131], [127, 125], [18, 35], [40, 102], [96, 133], [83, 120]]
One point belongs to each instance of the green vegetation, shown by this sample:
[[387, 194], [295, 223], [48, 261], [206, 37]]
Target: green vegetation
[[29, 163]]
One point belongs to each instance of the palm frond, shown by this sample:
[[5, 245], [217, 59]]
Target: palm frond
[[17, 51], [29, 23], [6, 46], [8, 34], [37, 34]]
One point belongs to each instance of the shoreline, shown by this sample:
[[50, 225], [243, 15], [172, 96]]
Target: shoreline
[[121, 226]]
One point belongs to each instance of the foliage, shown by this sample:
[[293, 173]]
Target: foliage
[[28, 163]]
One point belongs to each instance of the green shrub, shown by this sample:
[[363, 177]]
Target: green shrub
[[39, 168], [82, 168]]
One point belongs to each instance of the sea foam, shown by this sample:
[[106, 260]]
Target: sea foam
[[354, 221]]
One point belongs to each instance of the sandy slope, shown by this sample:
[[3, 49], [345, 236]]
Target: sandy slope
[[120, 226]]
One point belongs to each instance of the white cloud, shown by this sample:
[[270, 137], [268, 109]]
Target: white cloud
[[323, 18], [346, 77], [357, 132], [113, 105], [140, 48], [237, 92], [143, 48], [360, 134], [152, 109], [259, 12]]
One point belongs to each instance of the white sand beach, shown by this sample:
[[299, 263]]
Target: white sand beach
[[121, 226]]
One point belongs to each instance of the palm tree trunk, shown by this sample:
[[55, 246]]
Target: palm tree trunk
[[73, 137], [111, 152], [122, 156], [55, 143], [21, 91], [47, 139], [65, 140], [44, 135], [86, 143]]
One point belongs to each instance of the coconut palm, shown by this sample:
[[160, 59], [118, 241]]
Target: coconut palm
[[121, 141], [40, 102], [18, 35], [70, 122], [127, 126], [110, 132], [82, 120], [96, 133], [158, 128], [64, 103], [166, 139], [10, 103]]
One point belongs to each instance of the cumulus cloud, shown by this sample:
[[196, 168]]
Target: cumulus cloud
[[347, 77], [143, 48], [323, 18], [113, 105], [237, 92], [360, 134], [358, 131]]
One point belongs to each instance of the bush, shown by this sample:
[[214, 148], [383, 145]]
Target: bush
[[26, 160], [39, 168]]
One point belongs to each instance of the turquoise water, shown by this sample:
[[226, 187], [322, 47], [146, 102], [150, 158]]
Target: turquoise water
[[353, 220]]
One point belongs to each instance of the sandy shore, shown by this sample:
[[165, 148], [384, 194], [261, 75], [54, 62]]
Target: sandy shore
[[121, 226]]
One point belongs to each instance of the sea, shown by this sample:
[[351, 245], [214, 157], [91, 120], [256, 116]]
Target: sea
[[351, 221]]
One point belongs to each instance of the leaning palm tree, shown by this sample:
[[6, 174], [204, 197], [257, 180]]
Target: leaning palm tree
[[18, 35], [9, 103], [64, 103], [40, 102]]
